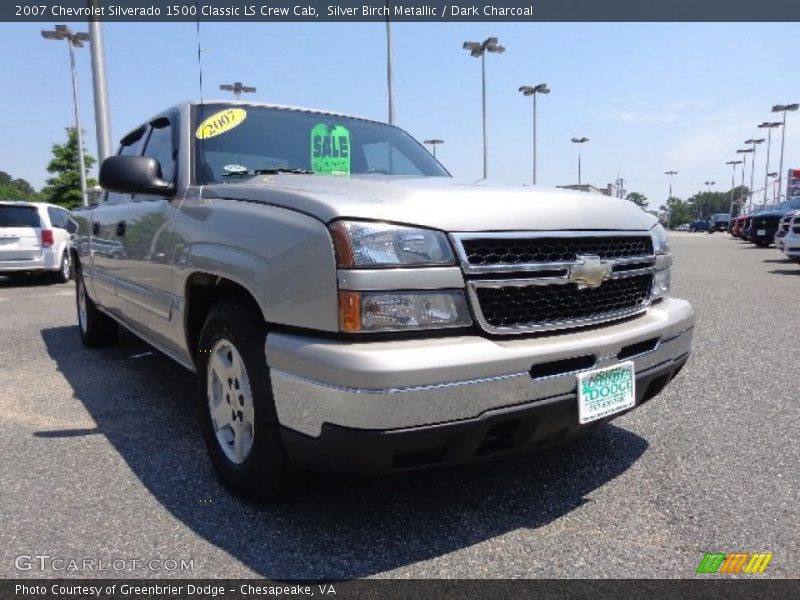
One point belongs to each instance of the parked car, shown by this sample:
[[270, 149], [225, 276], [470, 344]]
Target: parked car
[[790, 242], [719, 222], [346, 304], [764, 224], [35, 238], [784, 227], [738, 225], [682, 227], [699, 225]]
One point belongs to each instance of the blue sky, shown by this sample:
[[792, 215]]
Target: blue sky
[[651, 97]]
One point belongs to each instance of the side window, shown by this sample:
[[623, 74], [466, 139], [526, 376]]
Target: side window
[[159, 146], [56, 220]]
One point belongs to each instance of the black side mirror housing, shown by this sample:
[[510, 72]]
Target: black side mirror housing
[[134, 175]]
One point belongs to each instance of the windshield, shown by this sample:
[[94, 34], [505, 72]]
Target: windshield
[[235, 142], [19, 216]]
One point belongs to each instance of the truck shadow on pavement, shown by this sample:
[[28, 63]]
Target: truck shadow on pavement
[[331, 526]]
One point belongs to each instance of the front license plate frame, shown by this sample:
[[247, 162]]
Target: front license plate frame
[[605, 392]]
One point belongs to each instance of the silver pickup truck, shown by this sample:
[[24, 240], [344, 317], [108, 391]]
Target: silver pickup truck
[[347, 304]]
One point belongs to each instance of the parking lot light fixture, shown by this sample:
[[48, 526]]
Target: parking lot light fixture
[[769, 126], [669, 210], [74, 40], [579, 140], [479, 50], [733, 164], [528, 90], [784, 108], [744, 152], [774, 177], [753, 142], [237, 88], [433, 144]]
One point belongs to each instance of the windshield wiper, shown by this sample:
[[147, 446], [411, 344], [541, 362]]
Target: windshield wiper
[[291, 170]]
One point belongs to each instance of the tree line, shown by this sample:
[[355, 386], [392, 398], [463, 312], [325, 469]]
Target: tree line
[[64, 185]]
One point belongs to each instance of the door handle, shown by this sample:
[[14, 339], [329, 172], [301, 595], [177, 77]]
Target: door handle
[[121, 229], [95, 228]]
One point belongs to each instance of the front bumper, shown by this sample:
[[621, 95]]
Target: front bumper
[[493, 434], [400, 385], [790, 245], [766, 238]]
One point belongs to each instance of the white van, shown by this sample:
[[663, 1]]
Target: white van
[[35, 237]]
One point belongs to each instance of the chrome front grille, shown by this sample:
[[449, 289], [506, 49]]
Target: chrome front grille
[[521, 251], [539, 281]]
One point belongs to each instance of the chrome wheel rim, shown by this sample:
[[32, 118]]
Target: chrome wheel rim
[[82, 306], [230, 401]]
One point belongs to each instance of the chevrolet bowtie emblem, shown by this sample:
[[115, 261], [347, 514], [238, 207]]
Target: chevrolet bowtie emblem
[[590, 271]]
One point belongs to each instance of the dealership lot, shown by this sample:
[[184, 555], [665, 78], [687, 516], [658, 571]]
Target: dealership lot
[[102, 460]]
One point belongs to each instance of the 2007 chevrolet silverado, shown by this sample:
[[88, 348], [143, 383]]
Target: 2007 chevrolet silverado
[[345, 303]]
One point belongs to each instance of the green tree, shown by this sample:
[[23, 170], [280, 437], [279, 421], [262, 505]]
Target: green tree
[[680, 211], [16, 189], [638, 199], [64, 188]]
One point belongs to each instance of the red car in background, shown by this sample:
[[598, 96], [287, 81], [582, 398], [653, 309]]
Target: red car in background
[[737, 226]]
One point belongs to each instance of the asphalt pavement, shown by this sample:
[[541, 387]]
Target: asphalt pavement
[[101, 459]]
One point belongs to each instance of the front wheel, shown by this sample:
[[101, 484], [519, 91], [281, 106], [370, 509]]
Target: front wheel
[[240, 423], [96, 329]]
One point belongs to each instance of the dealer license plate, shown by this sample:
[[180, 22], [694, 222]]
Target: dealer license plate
[[604, 392], [761, 232]]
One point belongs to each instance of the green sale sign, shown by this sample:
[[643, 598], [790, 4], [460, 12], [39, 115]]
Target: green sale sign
[[330, 149]]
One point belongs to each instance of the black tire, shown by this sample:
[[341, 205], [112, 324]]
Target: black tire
[[264, 471], [96, 329], [64, 273]]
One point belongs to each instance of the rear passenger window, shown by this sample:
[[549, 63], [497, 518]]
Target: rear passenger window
[[57, 219]]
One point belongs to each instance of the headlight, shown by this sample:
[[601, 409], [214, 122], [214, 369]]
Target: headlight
[[660, 241], [402, 311], [365, 244], [661, 278]]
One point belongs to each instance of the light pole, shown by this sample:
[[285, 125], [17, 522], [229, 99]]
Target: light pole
[[479, 50], [708, 184], [669, 197], [237, 88], [74, 40], [744, 152], [733, 163], [581, 140], [433, 144], [102, 119], [528, 90], [754, 143], [769, 126], [784, 108], [389, 72], [774, 177]]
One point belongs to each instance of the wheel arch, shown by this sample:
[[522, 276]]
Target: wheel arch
[[202, 292]]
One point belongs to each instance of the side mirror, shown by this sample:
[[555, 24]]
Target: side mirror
[[134, 175]]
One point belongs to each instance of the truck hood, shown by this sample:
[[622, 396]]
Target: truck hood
[[438, 202]]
